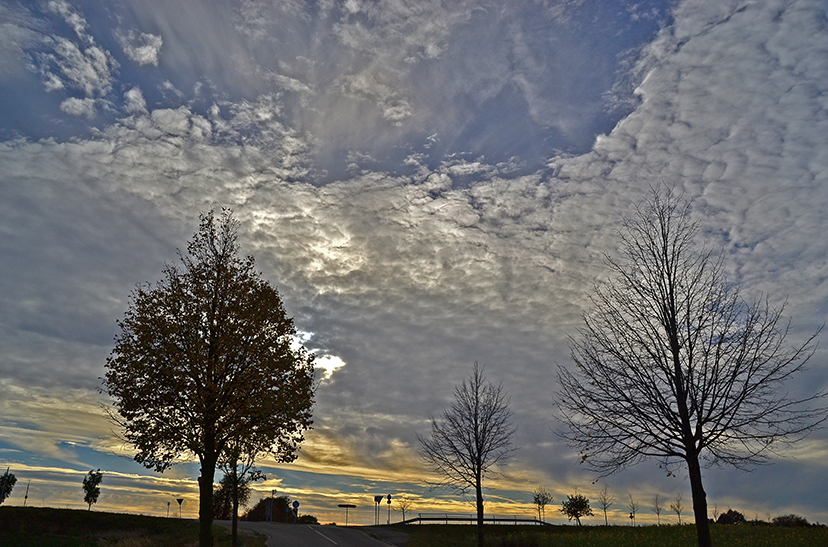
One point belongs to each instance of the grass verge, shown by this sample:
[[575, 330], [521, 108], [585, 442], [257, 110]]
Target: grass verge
[[436, 535], [47, 527]]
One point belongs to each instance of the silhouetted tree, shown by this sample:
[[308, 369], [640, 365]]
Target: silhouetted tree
[[575, 507], [473, 435], [672, 364], [541, 498], [206, 357], [404, 504], [605, 500], [677, 506], [237, 463], [224, 503], [7, 482], [658, 506], [731, 517], [632, 505], [92, 487]]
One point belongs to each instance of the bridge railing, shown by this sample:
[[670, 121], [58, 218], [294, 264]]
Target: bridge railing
[[446, 518]]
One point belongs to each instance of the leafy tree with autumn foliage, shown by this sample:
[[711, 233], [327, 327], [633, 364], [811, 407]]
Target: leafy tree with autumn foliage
[[207, 357]]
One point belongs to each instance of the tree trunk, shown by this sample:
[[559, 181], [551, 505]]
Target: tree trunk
[[205, 501], [235, 527], [699, 502], [479, 489]]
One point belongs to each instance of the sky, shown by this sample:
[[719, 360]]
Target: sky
[[428, 184]]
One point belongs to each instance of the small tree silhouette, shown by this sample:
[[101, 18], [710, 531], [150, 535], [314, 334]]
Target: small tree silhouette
[[658, 506], [605, 500], [575, 507], [541, 498], [677, 506], [404, 504], [91, 487], [7, 482]]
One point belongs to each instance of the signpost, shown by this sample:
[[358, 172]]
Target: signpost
[[180, 501], [347, 506], [295, 511], [377, 501]]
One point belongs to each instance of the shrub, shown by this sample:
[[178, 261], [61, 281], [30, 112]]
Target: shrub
[[731, 517], [790, 521]]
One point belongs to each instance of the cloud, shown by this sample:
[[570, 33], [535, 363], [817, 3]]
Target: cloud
[[69, 65], [141, 47], [82, 108], [134, 102], [19, 32], [408, 277]]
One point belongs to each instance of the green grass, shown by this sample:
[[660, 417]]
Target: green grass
[[46, 527], [435, 535]]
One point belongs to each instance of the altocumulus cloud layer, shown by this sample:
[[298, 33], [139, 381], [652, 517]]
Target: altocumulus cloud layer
[[427, 184]]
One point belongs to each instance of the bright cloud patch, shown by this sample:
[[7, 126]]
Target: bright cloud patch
[[328, 363], [141, 47], [82, 108]]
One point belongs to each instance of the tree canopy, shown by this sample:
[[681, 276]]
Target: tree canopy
[[92, 487], [7, 482], [673, 364], [576, 506], [207, 356]]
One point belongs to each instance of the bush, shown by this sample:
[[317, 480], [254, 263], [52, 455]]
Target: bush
[[307, 519], [731, 517], [790, 521]]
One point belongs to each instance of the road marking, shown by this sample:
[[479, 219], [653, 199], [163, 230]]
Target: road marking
[[323, 535]]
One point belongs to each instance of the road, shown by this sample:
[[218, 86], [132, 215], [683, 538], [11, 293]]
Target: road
[[289, 535]]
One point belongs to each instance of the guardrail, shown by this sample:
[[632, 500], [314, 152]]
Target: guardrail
[[446, 518]]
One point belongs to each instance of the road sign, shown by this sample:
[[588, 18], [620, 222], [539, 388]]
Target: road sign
[[347, 506]]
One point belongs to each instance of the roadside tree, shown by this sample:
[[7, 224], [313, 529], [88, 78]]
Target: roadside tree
[[472, 437], [404, 504], [673, 364], [207, 357]]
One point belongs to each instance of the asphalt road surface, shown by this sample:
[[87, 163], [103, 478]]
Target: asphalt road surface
[[290, 535]]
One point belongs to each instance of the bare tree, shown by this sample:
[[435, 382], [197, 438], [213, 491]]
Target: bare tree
[[605, 500], [677, 506], [404, 504], [541, 497], [658, 506], [473, 436], [632, 505], [673, 364]]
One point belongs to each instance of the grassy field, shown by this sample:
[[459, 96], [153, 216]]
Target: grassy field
[[46, 527], [614, 536]]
